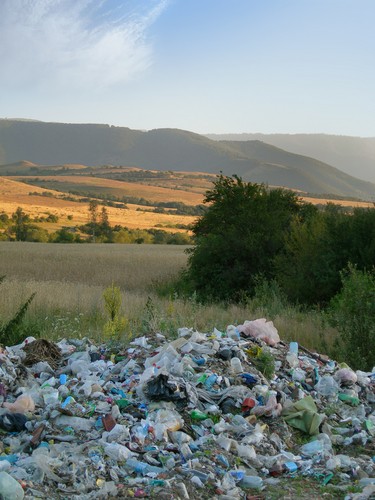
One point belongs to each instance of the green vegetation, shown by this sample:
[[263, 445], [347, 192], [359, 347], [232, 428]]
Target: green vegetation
[[116, 323], [254, 243], [352, 312], [12, 332], [238, 237]]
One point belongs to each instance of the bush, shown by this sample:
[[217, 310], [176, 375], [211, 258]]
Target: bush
[[352, 312], [116, 324]]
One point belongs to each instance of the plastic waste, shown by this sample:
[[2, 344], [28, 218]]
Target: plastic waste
[[22, 404], [10, 489], [345, 376], [163, 387], [236, 365], [143, 467], [13, 422], [198, 415], [327, 386], [293, 348], [255, 482], [321, 445], [261, 329]]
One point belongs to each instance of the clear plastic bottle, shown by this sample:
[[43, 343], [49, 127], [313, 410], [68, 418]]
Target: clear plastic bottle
[[143, 467], [293, 348], [236, 365]]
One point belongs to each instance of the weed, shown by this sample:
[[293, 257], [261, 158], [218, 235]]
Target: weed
[[265, 363], [112, 304]]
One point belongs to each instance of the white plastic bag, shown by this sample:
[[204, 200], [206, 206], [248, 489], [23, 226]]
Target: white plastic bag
[[261, 329]]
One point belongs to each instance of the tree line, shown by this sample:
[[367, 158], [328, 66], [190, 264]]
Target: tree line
[[21, 227]]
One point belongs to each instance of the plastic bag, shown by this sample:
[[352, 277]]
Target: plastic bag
[[303, 415], [327, 386], [13, 422], [165, 389], [260, 329], [345, 376], [22, 404]]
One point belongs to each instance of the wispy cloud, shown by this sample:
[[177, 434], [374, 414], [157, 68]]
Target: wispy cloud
[[74, 43]]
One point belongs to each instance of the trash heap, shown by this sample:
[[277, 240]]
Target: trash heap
[[225, 415]]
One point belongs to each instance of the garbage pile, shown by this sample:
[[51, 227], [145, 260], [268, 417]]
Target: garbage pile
[[224, 415]]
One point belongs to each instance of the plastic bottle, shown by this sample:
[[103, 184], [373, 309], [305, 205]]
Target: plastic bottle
[[255, 482], [10, 489], [143, 467], [236, 365], [210, 381], [293, 348], [198, 415]]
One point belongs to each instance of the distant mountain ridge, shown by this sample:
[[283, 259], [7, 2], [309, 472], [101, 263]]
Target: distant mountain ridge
[[353, 155], [171, 149]]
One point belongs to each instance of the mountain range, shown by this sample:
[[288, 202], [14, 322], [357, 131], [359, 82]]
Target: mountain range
[[172, 149], [353, 155]]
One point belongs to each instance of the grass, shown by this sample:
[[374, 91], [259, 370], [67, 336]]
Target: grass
[[69, 281]]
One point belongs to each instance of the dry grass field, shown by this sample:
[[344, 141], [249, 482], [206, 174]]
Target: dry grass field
[[116, 188], [69, 281], [14, 194]]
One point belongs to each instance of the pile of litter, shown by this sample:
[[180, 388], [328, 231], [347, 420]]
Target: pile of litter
[[223, 415]]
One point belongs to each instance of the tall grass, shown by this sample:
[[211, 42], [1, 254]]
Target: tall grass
[[69, 281]]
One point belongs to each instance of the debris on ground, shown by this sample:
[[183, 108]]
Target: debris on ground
[[220, 415]]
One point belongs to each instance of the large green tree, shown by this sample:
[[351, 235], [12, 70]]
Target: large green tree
[[239, 236]]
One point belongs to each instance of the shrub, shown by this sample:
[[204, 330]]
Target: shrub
[[112, 304], [352, 312]]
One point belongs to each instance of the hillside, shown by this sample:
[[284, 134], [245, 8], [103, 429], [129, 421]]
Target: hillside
[[353, 155], [165, 150]]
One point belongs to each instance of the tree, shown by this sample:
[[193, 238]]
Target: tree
[[104, 225], [93, 218], [21, 226], [238, 237]]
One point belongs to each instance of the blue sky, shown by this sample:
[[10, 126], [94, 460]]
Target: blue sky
[[209, 66]]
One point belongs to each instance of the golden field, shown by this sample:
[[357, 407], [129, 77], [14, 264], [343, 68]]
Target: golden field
[[14, 194]]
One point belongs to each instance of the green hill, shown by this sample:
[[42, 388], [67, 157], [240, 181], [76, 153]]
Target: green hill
[[169, 149]]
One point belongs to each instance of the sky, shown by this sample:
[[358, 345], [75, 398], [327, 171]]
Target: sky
[[208, 66]]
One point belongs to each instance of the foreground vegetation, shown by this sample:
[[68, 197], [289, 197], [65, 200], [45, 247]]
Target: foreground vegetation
[[69, 281]]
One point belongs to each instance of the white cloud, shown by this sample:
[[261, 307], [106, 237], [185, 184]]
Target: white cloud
[[75, 43]]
